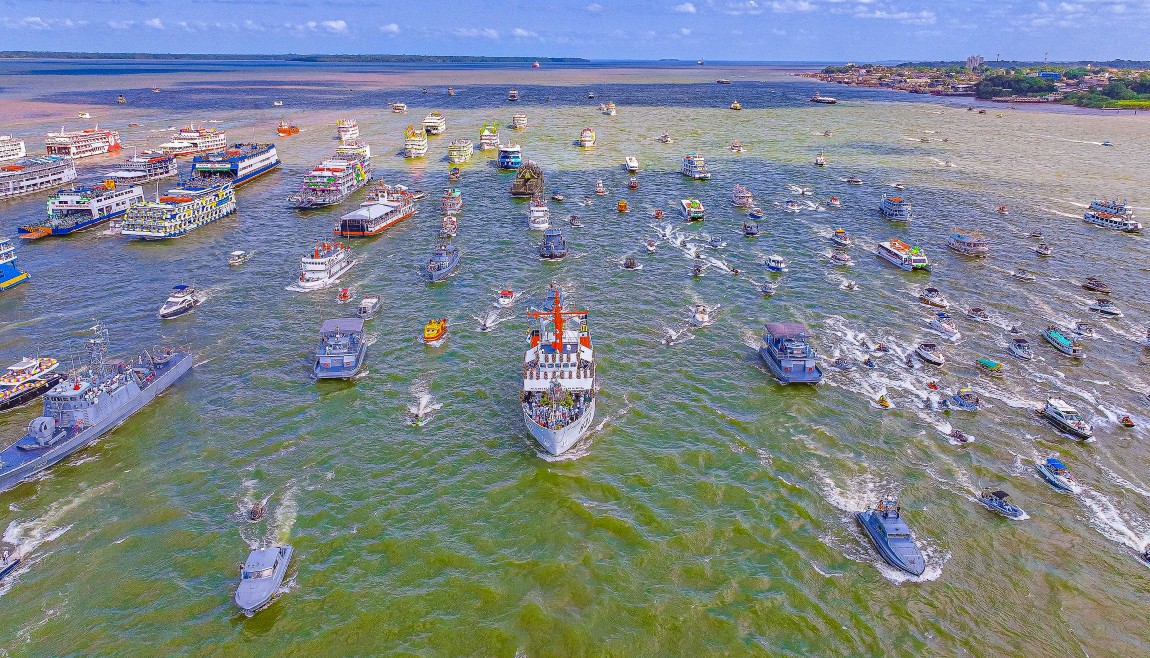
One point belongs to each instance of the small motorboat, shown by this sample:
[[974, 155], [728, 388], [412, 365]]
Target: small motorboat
[[958, 435], [933, 386], [1096, 285], [599, 188], [854, 180], [755, 213], [736, 105], [930, 353], [933, 297], [506, 298], [659, 213], [183, 299], [239, 257], [631, 164], [699, 269], [1043, 249], [557, 196], [964, 399], [769, 288], [629, 263], [257, 511], [83, 115], [891, 536], [841, 238], [1020, 347], [977, 313], [943, 323], [665, 138], [1085, 329], [899, 186], [883, 402], [850, 284], [368, 307], [716, 243], [870, 362], [750, 229], [845, 363], [633, 184], [841, 258], [1126, 421], [1105, 142], [881, 348], [651, 245], [1058, 475], [1036, 234], [834, 202], [775, 263], [344, 295], [995, 501], [1066, 418], [435, 331], [621, 205], [260, 577], [1106, 308], [790, 205], [989, 366], [574, 221], [1023, 275], [1003, 210], [703, 315], [737, 147]]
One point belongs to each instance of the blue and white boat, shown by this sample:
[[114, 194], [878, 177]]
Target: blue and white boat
[[964, 399], [787, 353], [1055, 337], [695, 167], [775, 263], [755, 213], [891, 536], [995, 501], [10, 275], [1058, 476], [1067, 419], [554, 246], [342, 349], [237, 165], [86, 405], [895, 208], [83, 207], [510, 156], [442, 263]]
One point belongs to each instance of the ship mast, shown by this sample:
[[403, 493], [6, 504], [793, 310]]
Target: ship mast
[[556, 315], [98, 348]]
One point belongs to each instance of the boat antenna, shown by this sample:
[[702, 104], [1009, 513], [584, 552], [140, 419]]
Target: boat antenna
[[98, 347]]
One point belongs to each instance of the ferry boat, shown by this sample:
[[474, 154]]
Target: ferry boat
[[513, 95], [239, 257], [600, 188], [890, 534], [489, 136], [586, 138], [538, 215], [10, 274], [736, 147], [182, 210], [11, 149], [285, 129], [144, 166], [695, 167], [435, 331], [261, 575], [788, 354], [989, 366], [88, 404], [895, 208], [369, 307], [528, 181], [692, 209], [449, 227], [391, 207], [452, 201], [1055, 337], [775, 263], [742, 197], [1058, 476], [609, 109], [902, 255], [969, 243], [631, 164], [29, 175], [558, 396], [26, 380], [519, 122], [965, 399], [1066, 418], [346, 129], [342, 349], [1111, 207], [83, 143], [414, 142], [236, 165], [444, 261], [554, 246], [323, 266], [1123, 223], [460, 151], [434, 123], [510, 156], [826, 100], [83, 207], [332, 181], [191, 140]]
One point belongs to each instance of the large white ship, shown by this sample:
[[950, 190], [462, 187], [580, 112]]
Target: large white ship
[[558, 397], [434, 123], [336, 178], [323, 266], [414, 143], [898, 253], [28, 175], [180, 211], [346, 129], [82, 207], [191, 140], [11, 149], [238, 164], [82, 143], [143, 167]]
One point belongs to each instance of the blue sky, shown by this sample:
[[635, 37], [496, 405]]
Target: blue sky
[[822, 30]]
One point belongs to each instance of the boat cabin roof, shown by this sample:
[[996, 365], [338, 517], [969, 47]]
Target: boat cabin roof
[[787, 330], [1054, 462], [1061, 405], [344, 325], [262, 558], [1001, 495], [24, 364]]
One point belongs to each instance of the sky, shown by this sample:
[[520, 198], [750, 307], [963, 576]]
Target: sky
[[716, 30]]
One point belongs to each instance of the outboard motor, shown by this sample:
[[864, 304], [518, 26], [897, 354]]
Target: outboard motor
[[42, 429]]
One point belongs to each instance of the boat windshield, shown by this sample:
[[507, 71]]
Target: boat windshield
[[262, 573]]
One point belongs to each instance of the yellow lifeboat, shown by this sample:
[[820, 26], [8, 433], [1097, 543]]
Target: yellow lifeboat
[[622, 205], [435, 330]]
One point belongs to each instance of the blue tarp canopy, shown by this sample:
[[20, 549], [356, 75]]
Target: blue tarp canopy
[[1055, 463]]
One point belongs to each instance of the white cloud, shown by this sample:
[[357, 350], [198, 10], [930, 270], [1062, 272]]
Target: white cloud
[[390, 28], [738, 8], [121, 25], [594, 7], [335, 27], [792, 6], [154, 23], [684, 31], [909, 17], [474, 32], [520, 33], [252, 26], [37, 23], [685, 8]]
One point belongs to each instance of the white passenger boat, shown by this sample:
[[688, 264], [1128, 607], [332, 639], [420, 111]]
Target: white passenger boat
[[323, 266]]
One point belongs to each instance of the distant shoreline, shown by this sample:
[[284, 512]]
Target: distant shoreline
[[200, 57]]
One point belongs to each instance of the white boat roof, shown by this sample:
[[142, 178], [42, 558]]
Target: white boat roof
[[238, 252], [24, 364], [1061, 405], [262, 558], [345, 325], [372, 210]]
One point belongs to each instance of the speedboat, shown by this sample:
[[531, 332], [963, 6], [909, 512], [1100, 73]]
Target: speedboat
[[841, 238], [716, 243], [506, 298], [995, 501], [1003, 210], [557, 197], [1058, 476], [1036, 234], [755, 213], [1106, 308], [651, 246], [629, 263], [454, 174], [181, 300], [1055, 337], [368, 307], [959, 435], [239, 257], [1096, 285], [841, 258], [665, 138], [790, 205], [574, 221], [977, 313], [435, 331], [344, 295], [1023, 275], [989, 366], [1085, 329], [943, 323], [775, 263], [599, 188], [850, 284], [633, 184], [769, 288], [703, 315], [261, 576], [1043, 249], [854, 180], [844, 363], [964, 399], [8, 564], [1020, 347], [631, 164], [1066, 418], [659, 213], [932, 297], [930, 353], [750, 229], [891, 536], [834, 202], [737, 147], [698, 269], [883, 402], [736, 105]]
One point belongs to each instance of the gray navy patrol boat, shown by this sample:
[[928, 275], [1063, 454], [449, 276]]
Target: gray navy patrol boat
[[83, 406], [260, 577], [891, 536], [342, 350]]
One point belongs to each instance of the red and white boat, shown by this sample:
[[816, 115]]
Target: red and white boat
[[82, 143], [390, 206], [506, 297]]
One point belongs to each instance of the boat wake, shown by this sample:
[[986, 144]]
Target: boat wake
[[424, 405], [1113, 523]]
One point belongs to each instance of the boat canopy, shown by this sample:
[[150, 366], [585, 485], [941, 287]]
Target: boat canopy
[[787, 329], [993, 365], [344, 325], [1054, 462]]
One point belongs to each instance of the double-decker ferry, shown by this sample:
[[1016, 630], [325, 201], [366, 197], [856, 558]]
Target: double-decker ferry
[[333, 180], [83, 207], [323, 266], [191, 140], [510, 156], [460, 151], [1111, 207], [451, 202], [414, 142], [346, 129], [969, 243], [1123, 222], [434, 123], [182, 210], [237, 165], [586, 138], [28, 175], [895, 208], [11, 149], [10, 275], [902, 255], [693, 210], [695, 167], [392, 205], [143, 167], [489, 136], [83, 143]]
